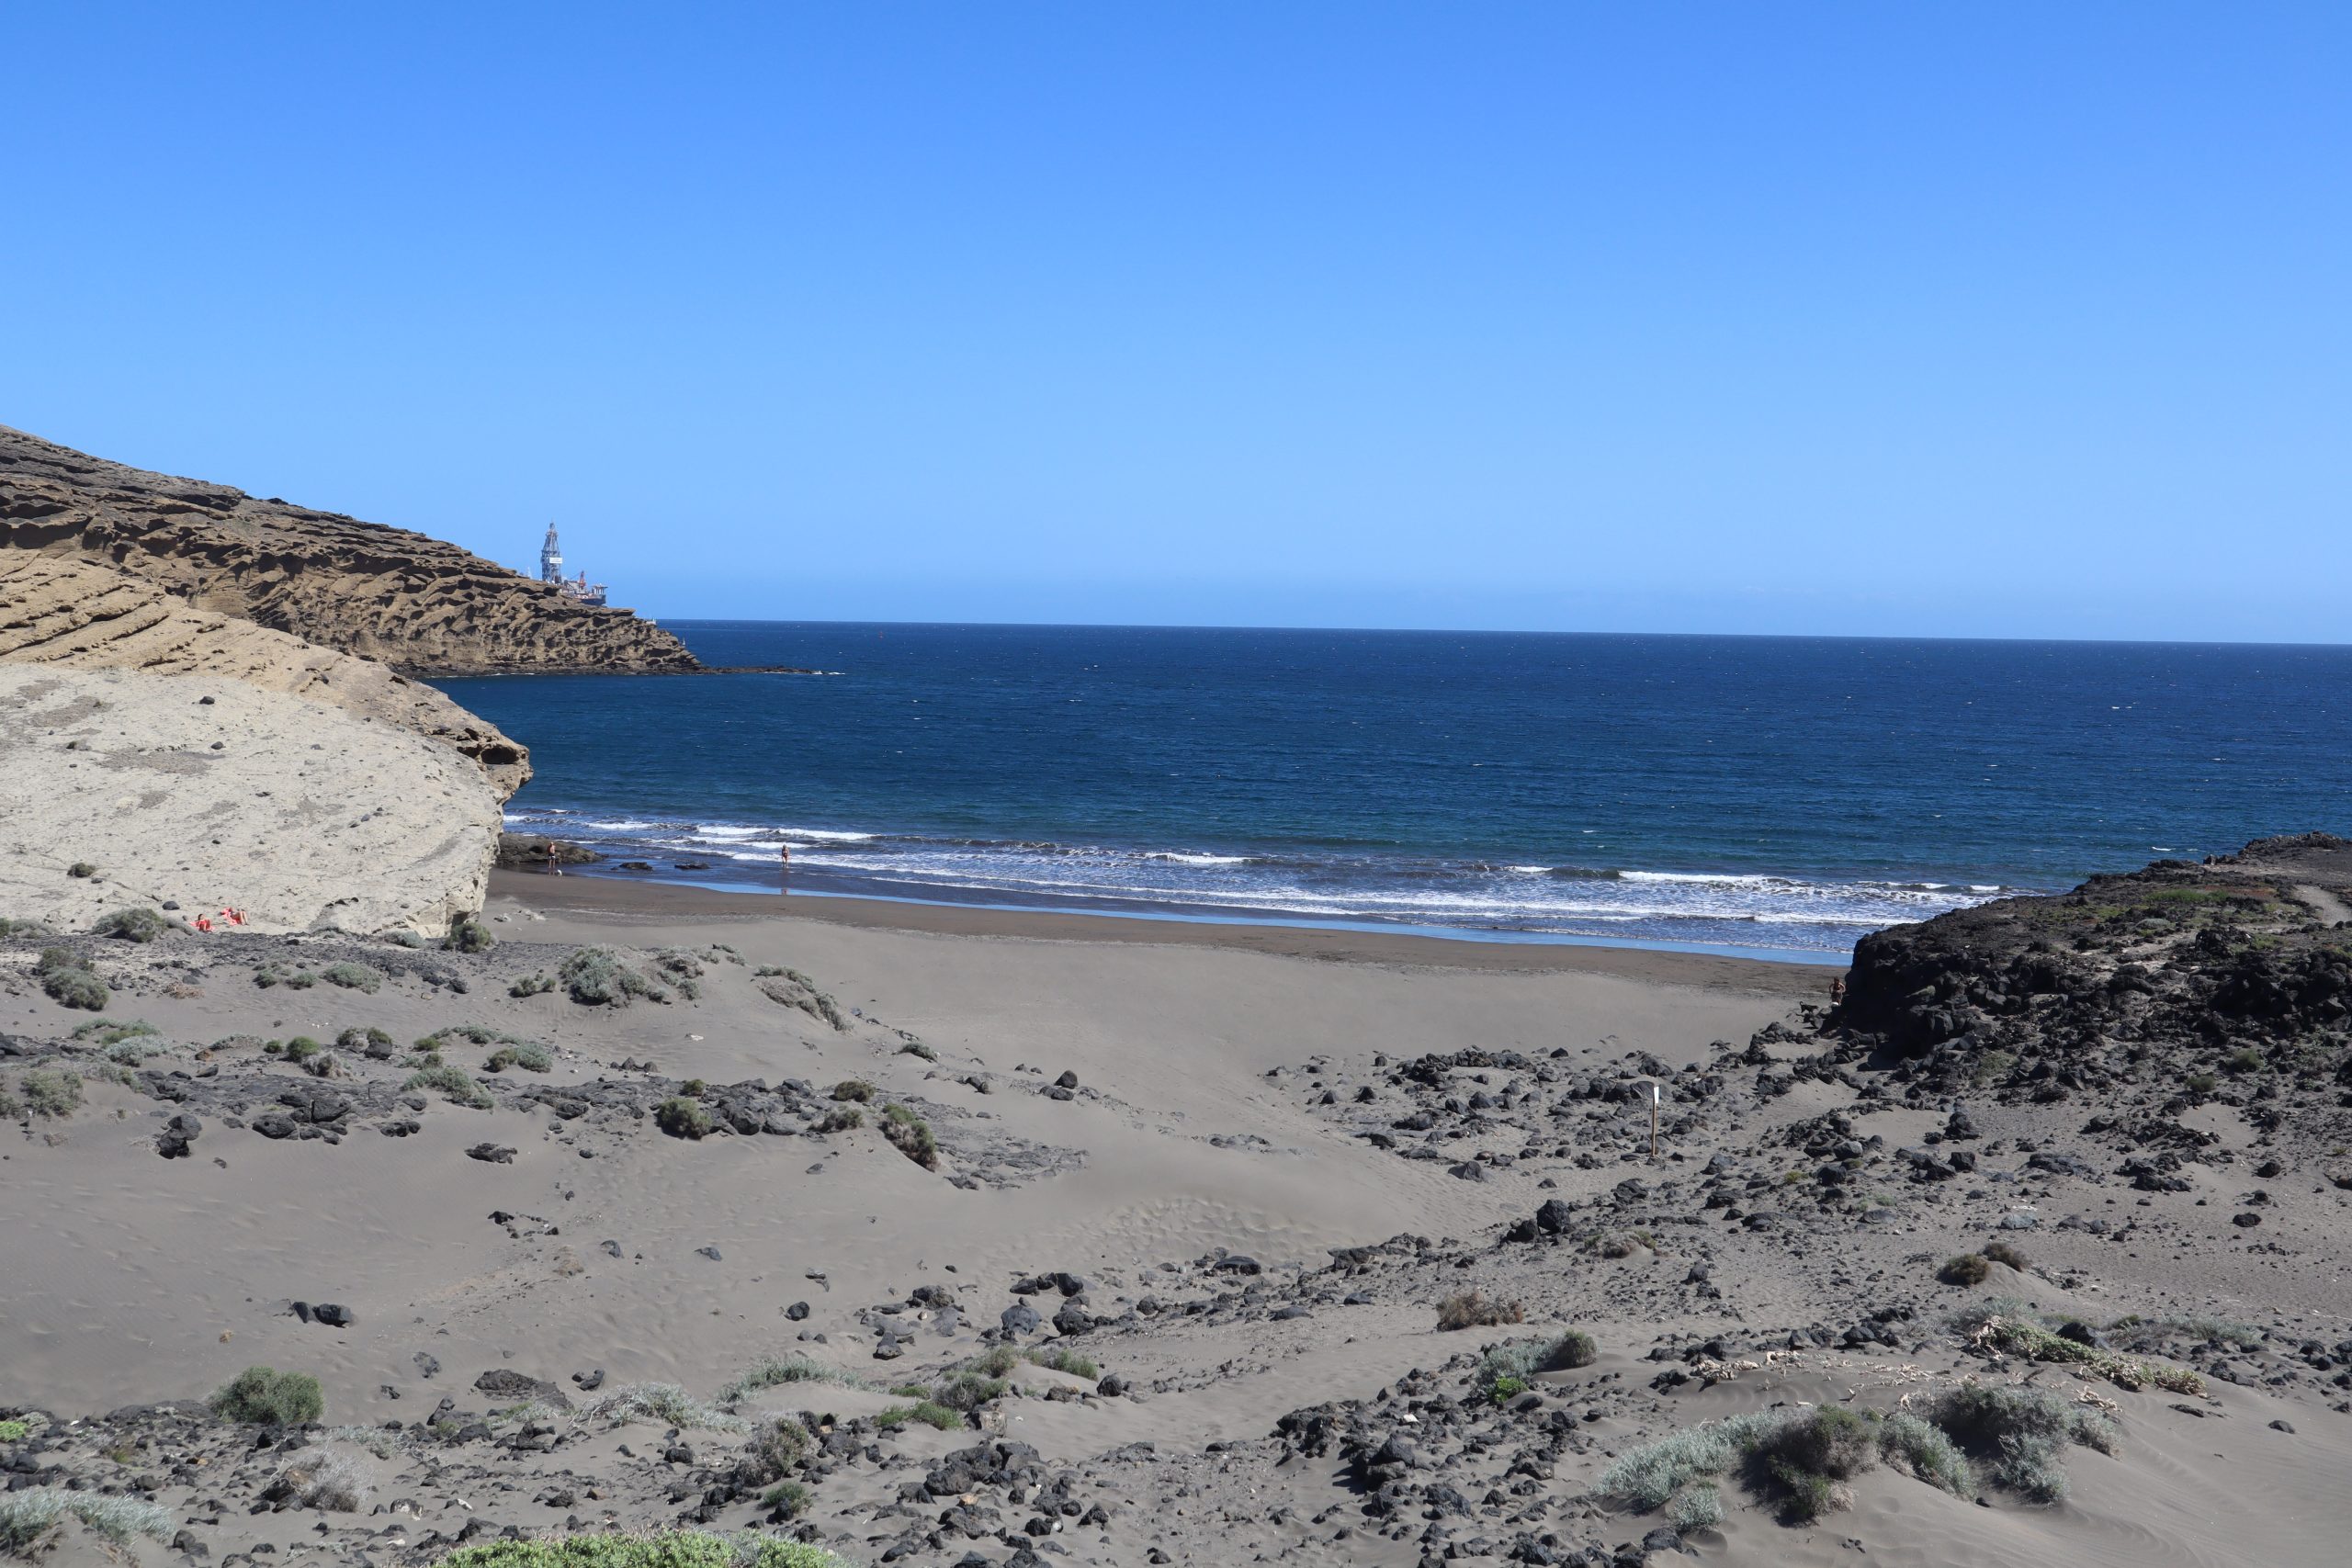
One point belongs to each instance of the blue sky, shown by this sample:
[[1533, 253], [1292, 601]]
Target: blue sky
[[1996, 319]]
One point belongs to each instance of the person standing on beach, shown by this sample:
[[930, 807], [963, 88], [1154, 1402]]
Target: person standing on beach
[[553, 869]]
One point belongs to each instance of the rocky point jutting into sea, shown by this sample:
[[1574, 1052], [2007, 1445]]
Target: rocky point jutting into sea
[[215, 708]]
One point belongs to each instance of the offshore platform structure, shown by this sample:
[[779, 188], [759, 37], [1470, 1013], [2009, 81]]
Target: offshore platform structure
[[551, 570]]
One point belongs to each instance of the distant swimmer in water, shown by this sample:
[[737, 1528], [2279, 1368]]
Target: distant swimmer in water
[[784, 852]]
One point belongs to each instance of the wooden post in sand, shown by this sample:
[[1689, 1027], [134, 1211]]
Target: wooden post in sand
[[1653, 1091]]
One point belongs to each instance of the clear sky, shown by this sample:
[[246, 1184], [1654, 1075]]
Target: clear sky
[[1982, 319]]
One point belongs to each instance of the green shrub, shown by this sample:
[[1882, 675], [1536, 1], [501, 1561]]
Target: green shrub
[[1968, 1269], [525, 1054], [299, 1049], [14, 1431], [967, 1390], [683, 1118], [82, 868], [2022, 1432], [844, 1119], [777, 1448], [537, 985], [1648, 1476], [50, 1091], [131, 925], [104, 1031], [293, 979], [23, 928], [28, 1517], [262, 1397], [911, 1136], [1908, 1443], [1517, 1361], [856, 1089], [354, 977], [453, 1085], [405, 939], [917, 1048], [789, 1498], [2023, 1336], [786, 1369], [70, 981], [368, 1041], [674, 1550], [2001, 1252], [594, 976], [1055, 1358], [1801, 1459], [930, 1415], [468, 935], [1695, 1508]]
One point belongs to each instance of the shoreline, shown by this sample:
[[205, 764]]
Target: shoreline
[[609, 897]]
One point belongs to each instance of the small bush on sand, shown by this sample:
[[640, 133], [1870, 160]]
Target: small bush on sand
[[856, 1089], [967, 1390], [1696, 1508], [525, 1054], [405, 939], [354, 977], [1649, 1476], [2022, 1433], [674, 1550], [1517, 1361], [468, 935], [845, 1118], [911, 1136], [28, 1517], [1054, 1358], [777, 1450], [1471, 1310], [1965, 1270], [14, 1431], [930, 1415], [50, 1091], [1802, 1461], [82, 870], [292, 978], [787, 1499], [2001, 1252], [2020, 1336], [786, 1369], [131, 925], [262, 1397], [683, 1118], [23, 928], [1910, 1444], [665, 1402], [537, 985], [299, 1049], [366, 1041], [69, 979], [452, 1084], [317, 1479], [595, 977], [104, 1031], [917, 1048]]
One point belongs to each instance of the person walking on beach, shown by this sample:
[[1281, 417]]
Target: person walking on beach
[[553, 869], [1837, 991]]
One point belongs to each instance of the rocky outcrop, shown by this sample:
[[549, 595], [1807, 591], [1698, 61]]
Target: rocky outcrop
[[69, 612], [361, 588], [125, 790], [2226, 975]]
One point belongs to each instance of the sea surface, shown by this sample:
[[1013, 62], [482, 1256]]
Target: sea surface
[[1777, 795]]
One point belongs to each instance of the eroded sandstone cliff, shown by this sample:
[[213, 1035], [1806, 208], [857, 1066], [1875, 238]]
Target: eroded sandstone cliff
[[387, 594], [69, 612]]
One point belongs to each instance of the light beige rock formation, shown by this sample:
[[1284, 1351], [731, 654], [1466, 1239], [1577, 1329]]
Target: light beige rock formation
[[65, 610], [207, 791]]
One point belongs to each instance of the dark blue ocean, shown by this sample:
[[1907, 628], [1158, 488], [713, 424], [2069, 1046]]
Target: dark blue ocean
[[1773, 795]]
